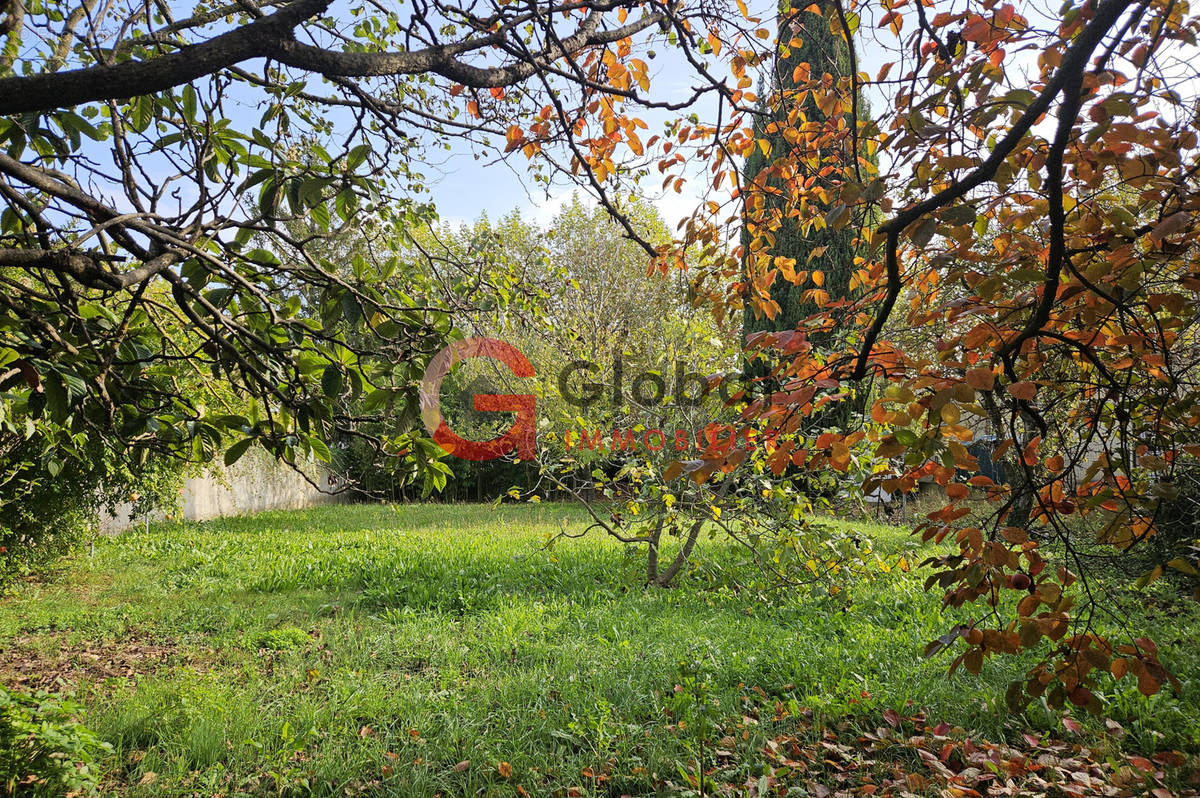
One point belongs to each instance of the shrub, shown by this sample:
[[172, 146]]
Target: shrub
[[44, 748], [282, 639], [1176, 546], [50, 506]]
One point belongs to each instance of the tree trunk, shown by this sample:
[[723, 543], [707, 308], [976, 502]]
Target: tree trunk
[[681, 558], [1022, 490], [652, 554]]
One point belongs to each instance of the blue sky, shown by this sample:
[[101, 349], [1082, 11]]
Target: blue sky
[[463, 187]]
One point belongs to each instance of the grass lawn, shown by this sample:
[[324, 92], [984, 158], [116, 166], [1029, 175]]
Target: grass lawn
[[439, 648]]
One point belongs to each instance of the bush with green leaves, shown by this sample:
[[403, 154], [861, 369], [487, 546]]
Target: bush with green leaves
[[285, 638], [44, 748], [54, 494]]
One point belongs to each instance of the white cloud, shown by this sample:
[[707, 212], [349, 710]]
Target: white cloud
[[542, 210]]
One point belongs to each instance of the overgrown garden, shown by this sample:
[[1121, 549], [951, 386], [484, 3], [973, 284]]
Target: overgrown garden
[[903, 409]]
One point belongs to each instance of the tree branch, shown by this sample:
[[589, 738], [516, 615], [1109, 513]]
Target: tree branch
[[83, 266], [271, 37], [52, 90], [1074, 63]]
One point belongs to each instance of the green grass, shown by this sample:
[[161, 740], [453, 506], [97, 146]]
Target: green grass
[[371, 650]]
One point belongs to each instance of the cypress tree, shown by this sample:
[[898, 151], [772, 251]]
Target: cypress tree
[[825, 50]]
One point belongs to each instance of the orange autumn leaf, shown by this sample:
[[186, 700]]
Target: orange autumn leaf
[[981, 379], [1030, 456]]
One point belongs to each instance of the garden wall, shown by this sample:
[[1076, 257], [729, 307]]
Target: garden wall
[[255, 483]]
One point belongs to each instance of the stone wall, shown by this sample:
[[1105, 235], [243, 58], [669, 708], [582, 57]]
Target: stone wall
[[254, 483]]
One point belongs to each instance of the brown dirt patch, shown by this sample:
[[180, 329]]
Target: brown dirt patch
[[50, 662]]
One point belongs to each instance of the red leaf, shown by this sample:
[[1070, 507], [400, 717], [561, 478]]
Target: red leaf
[[1141, 763], [1023, 390]]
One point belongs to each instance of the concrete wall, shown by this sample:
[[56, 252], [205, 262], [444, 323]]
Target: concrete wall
[[252, 484]]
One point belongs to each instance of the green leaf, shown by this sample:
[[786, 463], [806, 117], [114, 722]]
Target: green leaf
[[1028, 276], [76, 388], [56, 397], [231, 421], [320, 450], [959, 214], [320, 215], [141, 112], [357, 156], [236, 451], [331, 381], [377, 399], [77, 122], [351, 310], [263, 256], [189, 102], [268, 200]]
